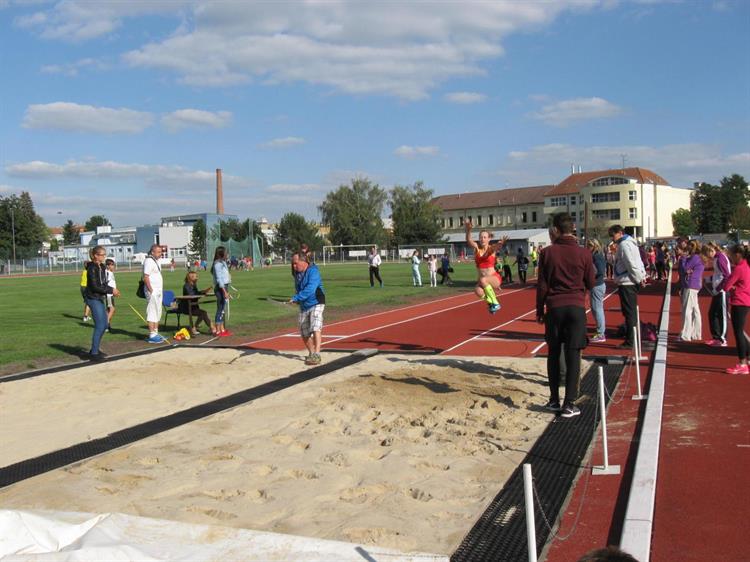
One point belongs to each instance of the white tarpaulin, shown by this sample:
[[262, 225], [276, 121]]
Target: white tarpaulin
[[62, 536]]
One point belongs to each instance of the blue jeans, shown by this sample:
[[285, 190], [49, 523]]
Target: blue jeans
[[597, 307], [221, 305], [99, 314]]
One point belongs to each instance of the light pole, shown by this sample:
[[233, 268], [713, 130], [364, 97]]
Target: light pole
[[13, 229]]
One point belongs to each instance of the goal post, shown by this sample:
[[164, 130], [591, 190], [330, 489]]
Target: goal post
[[350, 253]]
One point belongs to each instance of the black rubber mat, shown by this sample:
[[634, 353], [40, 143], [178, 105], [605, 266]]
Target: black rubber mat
[[50, 461], [556, 459]]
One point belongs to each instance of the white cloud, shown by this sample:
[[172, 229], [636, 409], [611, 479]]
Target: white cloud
[[86, 118], [565, 112], [197, 119], [155, 176], [465, 97], [282, 143], [400, 49], [410, 152], [293, 187], [73, 68], [680, 164]]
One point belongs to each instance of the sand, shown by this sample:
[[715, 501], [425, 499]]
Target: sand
[[396, 451]]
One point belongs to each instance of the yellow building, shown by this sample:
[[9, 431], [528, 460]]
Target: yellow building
[[636, 198]]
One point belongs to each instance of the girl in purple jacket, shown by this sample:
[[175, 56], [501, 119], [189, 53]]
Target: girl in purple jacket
[[738, 288], [692, 280]]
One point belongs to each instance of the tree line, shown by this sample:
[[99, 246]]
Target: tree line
[[715, 208]]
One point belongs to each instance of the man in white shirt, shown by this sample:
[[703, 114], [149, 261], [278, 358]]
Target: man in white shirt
[[374, 261], [154, 286]]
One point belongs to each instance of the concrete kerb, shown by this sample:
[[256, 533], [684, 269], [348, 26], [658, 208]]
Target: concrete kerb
[[639, 515]]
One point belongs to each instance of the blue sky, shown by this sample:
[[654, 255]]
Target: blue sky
[[126, 108]]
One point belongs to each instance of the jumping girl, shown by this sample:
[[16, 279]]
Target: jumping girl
[[484, 256]]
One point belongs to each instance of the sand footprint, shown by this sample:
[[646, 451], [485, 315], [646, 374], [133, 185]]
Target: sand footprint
[[223, 494], [212, 513], [363, 494], [302, 474], [337, 459]]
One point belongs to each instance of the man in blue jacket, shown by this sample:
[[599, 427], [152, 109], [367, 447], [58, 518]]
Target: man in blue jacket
[[312, 301]]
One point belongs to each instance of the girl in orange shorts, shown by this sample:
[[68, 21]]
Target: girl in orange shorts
[[488, 279]]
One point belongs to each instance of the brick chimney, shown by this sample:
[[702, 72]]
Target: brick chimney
[[219, 193]]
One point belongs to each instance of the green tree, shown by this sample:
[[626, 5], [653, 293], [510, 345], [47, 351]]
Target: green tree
[[416, 220], [19, 223], [197, 246], [96, 220], [234, 229], [54, 245], [293, 231], [740, 219], [683, 223], [713, 205], [70, 233], [354, 212]]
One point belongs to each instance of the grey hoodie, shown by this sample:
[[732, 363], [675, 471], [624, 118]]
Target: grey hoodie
[[628, 264]]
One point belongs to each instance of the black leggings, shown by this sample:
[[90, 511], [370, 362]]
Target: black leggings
[[739, 316], [375, 274]]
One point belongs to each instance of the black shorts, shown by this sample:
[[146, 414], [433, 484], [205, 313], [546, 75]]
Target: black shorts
[[566, 324]]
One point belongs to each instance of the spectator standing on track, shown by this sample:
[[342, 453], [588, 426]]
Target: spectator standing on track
[[566, 272], [154, 286], [222, 280], [738, 288], [611, 249], [692, 281], [629, 274], [432, 268], [717, 312], [96, 293], [374, 261], [445, 269], [416, 276], [112, 282], [523, 265], [507, 272], [660, 262], [312, 301], [534, 257], [598, 290]]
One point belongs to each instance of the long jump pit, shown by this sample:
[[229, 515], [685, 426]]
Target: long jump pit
[[237, 454]]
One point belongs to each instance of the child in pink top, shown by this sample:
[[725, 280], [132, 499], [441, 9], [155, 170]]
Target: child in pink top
[[738, 288]]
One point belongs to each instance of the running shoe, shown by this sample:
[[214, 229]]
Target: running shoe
[[97, 356], [224, 334], [716, 343], [569, 411], [552, 406], [738, 369], [156, 338], [494, 308], [313, 359], [599, 338]]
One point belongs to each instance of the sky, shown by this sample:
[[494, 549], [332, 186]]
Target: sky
[[126, 108]]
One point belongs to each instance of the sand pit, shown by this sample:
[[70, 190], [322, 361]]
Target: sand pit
[[395, 451]]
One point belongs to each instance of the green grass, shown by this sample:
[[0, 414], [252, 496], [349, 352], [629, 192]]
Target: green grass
[[42, 315]]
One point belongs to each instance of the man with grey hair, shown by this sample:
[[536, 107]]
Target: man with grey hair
[[154, 286]]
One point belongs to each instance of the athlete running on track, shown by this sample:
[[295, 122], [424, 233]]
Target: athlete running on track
[[484, 256]]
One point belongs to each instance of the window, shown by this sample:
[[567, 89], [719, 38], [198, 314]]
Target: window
[[491, 220], [573, 215], [533, 216], [460, 221], [479, 220], [573, 199], [580, 199], [606, 214], [468, 218], [558, 201], [633, 213], [632, 195], [523, 216], [612, 180], [605, 197], [450, 222], [442, 223]]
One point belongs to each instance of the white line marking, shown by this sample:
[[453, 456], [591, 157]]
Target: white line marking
[[361, 317], [209, 341], [322, 335], [509, 339], [537, 348], [478, 301]]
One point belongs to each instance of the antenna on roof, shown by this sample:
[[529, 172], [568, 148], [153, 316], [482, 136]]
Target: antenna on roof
[[624, 158], [580, 168], [572, 168]]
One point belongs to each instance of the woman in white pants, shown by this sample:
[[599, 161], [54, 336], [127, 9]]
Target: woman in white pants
[[416, 276], [432, 266], [692, 281]]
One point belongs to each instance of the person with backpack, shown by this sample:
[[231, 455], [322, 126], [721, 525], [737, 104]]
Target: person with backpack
[[629, 275]]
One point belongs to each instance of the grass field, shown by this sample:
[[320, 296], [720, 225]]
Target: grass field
[[42, 314]]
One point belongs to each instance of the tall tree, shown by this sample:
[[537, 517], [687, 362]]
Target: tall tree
[[70, 233], [54, 245], [416, 219], [234, 229], [20, 224], [740, 219], [683, 223], [197, 246], [293, 231], [713, 205], [96, 220], [354, 212]]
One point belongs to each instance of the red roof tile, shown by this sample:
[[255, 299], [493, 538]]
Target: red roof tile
[[574, 182], [497, 198]]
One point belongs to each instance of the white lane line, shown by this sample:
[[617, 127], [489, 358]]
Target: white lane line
[[290, 334], [420, 316], [209, 341], [537, 348], [322, 335]]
